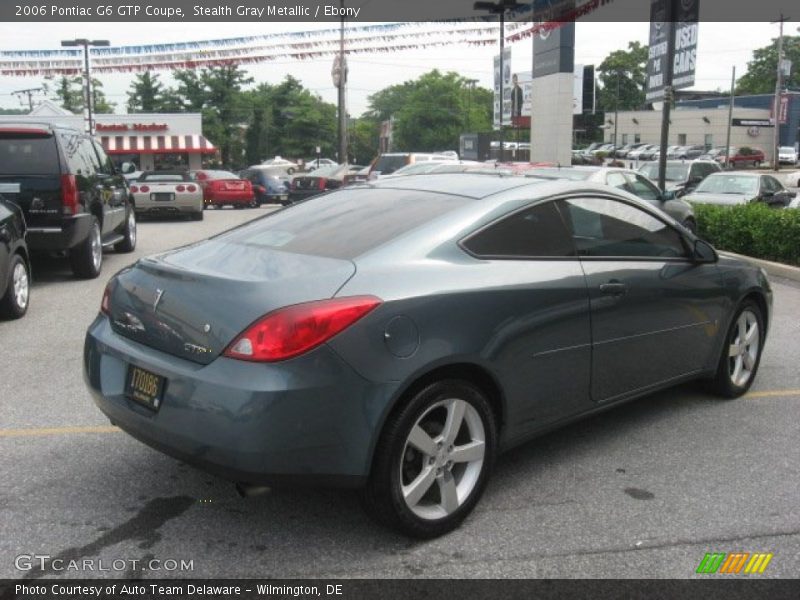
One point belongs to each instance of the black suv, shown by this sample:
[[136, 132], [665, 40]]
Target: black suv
[[72, 196]]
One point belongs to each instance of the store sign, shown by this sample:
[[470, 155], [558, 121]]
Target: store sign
[[751, 122], [502, 88], [685, 15], [554, 50], [132, 127], [783, 110]]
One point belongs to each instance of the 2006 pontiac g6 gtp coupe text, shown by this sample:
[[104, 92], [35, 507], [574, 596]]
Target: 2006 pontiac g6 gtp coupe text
[[397, 336]]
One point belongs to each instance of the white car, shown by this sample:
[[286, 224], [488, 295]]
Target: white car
[[787, 155], [288, 165], [318, 163], [167, 192]]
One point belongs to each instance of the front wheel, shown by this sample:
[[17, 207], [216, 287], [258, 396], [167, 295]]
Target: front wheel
[[433, 460], [14, 302], [741, 353]]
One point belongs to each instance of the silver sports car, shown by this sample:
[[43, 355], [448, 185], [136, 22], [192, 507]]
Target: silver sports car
[[398, 335]]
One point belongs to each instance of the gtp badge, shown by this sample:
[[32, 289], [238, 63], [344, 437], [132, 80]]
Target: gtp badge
[[159, 295]]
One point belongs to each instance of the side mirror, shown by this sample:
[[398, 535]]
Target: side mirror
[[127, 167], [704, 252], [668, 195]]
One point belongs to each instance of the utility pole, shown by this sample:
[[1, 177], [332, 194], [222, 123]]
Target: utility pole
[[88, 96], [730, 119], [616, 115], [29, 93], [668, 93], [342, 87], [470, 87], [777, 102]]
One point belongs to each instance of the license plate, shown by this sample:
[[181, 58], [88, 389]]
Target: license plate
[[162, 197], [145, 387]]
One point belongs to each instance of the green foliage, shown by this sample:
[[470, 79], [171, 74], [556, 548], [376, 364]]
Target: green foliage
[[364, 140], [146, 94], [752, 229], [69, 93], [631, 67], [431, 112], [762, 70]]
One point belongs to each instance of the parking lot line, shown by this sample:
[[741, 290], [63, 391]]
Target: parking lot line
[[43, 431], [36, 432]]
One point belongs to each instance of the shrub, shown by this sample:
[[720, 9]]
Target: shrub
[[752, 229]]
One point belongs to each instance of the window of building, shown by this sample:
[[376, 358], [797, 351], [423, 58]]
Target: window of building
[[637, 138], [681, 139], [173, 161], [624, 138], [709, 140]]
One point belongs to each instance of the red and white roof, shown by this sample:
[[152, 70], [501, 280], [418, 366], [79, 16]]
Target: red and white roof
[[157, 144]]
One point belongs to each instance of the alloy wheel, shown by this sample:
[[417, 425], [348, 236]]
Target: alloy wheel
[[21, 284], [743, 349], [97, 248]]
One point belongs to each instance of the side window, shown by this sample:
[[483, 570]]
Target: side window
[[639, 186], [772, 184], [537, 231], [76, 161], [611, 228], [697, 170], [106, 166]]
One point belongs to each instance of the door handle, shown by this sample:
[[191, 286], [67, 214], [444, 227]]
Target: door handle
[[613, 288]]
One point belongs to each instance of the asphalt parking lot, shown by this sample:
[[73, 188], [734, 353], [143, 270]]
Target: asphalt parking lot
[[644, 490]]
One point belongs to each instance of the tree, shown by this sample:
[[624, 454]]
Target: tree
[[762, 70], [630, 66], [431, 112], [145, 94], [69, 93], [364, 139]]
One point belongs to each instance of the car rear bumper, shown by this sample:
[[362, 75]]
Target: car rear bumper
[[73, 231], [311, 419], [176, 206], [230, 198]]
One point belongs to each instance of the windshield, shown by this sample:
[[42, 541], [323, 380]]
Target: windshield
[[673, 173], [729, 184], [387, 163]]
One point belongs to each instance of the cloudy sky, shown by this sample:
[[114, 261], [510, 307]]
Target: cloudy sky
[[721, 46]]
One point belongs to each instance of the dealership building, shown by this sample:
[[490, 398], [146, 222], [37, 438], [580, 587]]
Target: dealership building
[[152, 141], [704, 121]]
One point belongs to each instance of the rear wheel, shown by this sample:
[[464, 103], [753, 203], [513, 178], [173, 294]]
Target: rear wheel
[[14, 302], [197, 216], [86, 259], [741, 353], [433, 460], [128, 244]]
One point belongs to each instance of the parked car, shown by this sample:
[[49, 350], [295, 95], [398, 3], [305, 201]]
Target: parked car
[[386, 164], [313, 164], [15, 265], [73, 198], [714, 154], [289, 166], [787, 155], [270, 184], [687, 152], [168, 193], [579, 158], [317, 182], [407, 331], [681, 176], [629, 181], [728, 188], [355, 174], [221, 188], [448, 166], [624, 150], [642, 152], [741, 156]]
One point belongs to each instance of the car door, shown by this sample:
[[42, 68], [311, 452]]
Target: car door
[[112, 187], [772, 192], [655, 311], [541, 347]]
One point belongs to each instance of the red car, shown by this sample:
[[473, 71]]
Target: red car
[[743, 156], [223, 187]]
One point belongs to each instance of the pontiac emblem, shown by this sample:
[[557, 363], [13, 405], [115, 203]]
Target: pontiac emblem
[[159, 295]]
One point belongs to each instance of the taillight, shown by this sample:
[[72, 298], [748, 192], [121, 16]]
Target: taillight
[[294, 330], [69, 194], [179, 188], [134, 189], [105, 303], [145, 188], [190, 188], [322, 182]]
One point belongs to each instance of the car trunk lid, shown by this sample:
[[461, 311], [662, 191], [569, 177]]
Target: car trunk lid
[[192, 302]]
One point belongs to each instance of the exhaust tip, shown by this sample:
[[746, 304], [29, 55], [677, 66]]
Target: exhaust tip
[[248, 490]]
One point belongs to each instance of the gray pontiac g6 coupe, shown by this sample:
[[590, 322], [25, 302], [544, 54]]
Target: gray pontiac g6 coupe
[[397, 336]]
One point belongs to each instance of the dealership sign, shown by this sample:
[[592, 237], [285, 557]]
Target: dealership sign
[[685, 15]]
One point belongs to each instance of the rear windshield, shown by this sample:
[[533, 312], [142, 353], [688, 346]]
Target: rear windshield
[[22, 154], [347, 223], [389, 164], [164, 177], [218, 175]]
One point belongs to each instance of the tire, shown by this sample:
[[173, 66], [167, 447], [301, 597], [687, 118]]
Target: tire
[[690, 224], [86, 259], [726, 382], [290, 170], [423, 511], [14, 303], [129, 243], [756, 163], [198, 216]]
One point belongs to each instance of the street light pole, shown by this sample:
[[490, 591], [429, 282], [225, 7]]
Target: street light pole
[[777, 100], [616, 114], [87, 78]]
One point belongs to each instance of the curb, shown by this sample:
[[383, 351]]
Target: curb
[[773, 269]]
